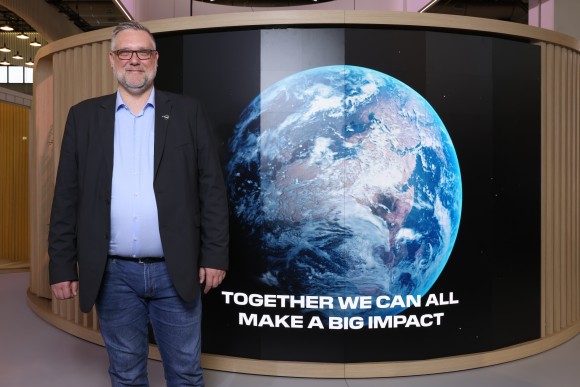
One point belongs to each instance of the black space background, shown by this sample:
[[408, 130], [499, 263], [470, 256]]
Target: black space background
[[487, 92]]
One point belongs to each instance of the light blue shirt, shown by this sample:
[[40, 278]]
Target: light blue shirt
[[134, 221]]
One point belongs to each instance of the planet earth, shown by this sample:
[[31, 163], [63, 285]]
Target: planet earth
[[348, 181]]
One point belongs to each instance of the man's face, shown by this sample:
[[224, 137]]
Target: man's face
[[134, 75]]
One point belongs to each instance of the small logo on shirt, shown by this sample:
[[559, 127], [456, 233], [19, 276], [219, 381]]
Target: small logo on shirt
[[165, 117]]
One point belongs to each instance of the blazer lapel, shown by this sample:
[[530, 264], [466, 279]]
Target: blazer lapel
[[162, 119], [107, 128]]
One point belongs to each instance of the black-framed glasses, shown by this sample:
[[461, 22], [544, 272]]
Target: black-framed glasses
[[128, 54]]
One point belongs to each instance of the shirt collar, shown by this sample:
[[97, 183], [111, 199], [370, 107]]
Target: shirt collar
[[150, 102]]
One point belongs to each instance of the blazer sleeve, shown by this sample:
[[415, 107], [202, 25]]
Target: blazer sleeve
[[213, 198], [62, 248]]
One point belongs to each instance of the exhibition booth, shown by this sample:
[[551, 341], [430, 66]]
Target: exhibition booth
[[402, 187]]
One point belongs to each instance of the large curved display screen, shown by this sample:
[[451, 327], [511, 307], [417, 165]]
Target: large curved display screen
[[383, 189]]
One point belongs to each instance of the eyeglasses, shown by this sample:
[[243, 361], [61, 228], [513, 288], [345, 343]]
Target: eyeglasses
[[128, 54]]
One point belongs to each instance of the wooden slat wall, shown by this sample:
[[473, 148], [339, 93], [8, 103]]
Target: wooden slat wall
[[79, 73], [41, 179], [14, 219], [64, 79], [560, 187]]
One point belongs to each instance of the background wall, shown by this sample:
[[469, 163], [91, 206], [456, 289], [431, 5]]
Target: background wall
[[567, 17], [14, 240]]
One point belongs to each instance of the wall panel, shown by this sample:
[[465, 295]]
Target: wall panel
[[14, 240], [78, 72], [560, 181], [41, 176]]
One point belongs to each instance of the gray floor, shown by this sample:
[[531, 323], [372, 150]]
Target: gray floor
[[33, 353]]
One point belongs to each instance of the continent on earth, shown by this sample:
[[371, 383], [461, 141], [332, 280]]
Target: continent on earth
[[348, 181]]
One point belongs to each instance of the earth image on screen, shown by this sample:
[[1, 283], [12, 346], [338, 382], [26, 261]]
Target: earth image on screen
[[348, 181]]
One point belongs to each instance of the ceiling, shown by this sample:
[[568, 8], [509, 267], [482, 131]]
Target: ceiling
[[263, 3], [87, 15], [83, 15], [90, 14], [94, 14]]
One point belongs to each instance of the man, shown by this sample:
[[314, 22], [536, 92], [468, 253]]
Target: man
[[140, 209]]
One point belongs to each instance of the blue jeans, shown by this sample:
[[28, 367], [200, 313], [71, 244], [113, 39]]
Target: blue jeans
[[132, 295]]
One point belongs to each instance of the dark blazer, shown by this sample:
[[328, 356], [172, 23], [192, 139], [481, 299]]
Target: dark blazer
[[188, 184]]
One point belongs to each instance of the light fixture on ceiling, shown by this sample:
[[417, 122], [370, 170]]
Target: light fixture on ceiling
[[35, 43], [5, 62], [22, 36], [121, 7], [429, 5], [30, 62], [6, 27], [17, 56], [5, 49]]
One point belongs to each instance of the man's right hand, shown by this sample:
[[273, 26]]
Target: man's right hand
[[65, 290]]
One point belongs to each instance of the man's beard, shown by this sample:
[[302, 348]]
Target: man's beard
[[136, 87]]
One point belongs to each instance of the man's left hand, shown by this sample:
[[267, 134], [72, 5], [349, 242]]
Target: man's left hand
[[211, 277]]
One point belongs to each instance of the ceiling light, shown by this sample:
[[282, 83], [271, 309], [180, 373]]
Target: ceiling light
[[121, 7], [35, 43], [5, 49], [17, 56], [4, 62], [6, 28], [22, 36], [30, 62], [429, 5]]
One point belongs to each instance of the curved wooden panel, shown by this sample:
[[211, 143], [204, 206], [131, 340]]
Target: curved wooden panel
[[560, 179], [76, 68]]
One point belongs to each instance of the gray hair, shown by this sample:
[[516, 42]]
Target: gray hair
[[130, 25]]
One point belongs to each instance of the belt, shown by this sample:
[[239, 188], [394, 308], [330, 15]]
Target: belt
[[137, 259]]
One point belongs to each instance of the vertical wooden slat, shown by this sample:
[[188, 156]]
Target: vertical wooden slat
[[577, 197], [569, 191], [557, 185], [543, 188], [561, 111], [549, 184], [575, 286]]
